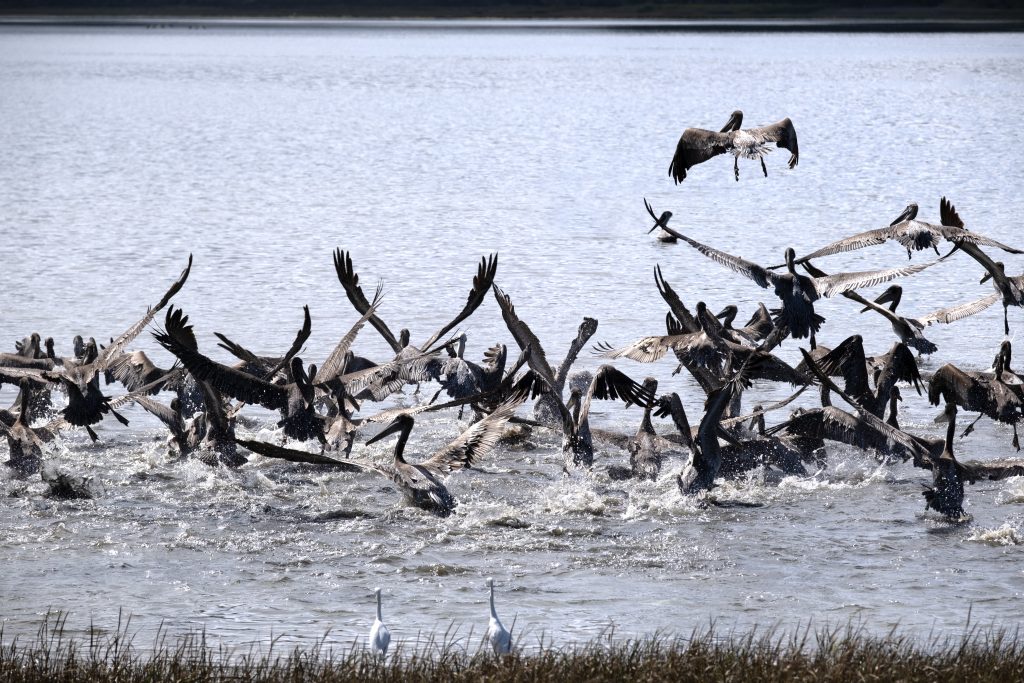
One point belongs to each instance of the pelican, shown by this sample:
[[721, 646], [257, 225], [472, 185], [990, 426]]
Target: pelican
[[497, 636], [849, 360], [909, 330], [294, 400], [946, 494], [608, 383], [380, 636], [799, 292], [992, 397], [863, 430], [350, 282], [421, 483], [706, 456], [697, 145], [912, 234], [659, 221], [644, 454]]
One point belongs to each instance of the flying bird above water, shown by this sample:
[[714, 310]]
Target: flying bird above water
[[697, 145], [799, 292]]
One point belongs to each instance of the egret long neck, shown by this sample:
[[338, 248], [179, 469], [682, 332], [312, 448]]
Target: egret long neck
[[378, 607], [493, 613]]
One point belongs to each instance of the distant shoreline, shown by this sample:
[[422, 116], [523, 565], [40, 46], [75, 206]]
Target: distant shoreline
[[522, 23]]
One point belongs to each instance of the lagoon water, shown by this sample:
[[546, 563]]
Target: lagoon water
[[259, 149]]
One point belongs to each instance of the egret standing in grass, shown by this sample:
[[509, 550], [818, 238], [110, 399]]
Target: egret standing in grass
[[497, 636], [380, 636]]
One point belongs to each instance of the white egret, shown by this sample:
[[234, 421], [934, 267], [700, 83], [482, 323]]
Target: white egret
[[497, 636], [380, 636]]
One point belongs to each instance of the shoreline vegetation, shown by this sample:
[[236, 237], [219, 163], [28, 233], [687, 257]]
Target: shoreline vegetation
[[869, 15], [980, 654]]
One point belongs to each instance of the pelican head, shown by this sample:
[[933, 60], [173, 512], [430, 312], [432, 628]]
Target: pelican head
[[791, 260], [587, 328], [402, 423], [891, 295], [895, 394], [909, 214], [734, 122], [403, 337], [728, 314]]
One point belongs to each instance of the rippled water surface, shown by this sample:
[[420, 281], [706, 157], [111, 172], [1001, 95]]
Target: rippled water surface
[[260, 150]]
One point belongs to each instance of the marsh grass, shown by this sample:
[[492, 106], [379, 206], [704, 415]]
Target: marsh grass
[[844, 654]]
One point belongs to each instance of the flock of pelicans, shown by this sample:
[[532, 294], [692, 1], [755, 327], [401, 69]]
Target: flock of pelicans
[[328, 403]]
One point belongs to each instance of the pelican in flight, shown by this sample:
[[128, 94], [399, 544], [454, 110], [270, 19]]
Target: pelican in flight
[[913, 234], [658, 222], [697, 145], [499, 638], [799, 292]]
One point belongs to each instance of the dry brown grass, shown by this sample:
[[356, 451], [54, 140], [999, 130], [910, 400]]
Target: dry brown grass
[[840, 655]]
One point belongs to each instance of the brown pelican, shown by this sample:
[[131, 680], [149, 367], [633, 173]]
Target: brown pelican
[[706, 458], [350, 282], [863, 430], [421, 483], [294, 399], [909, 330], [659, 221], [24, 442], [499, 638], [946, 494], [757, 328], [849, 361], [697, 145], [799, 292], [912, 234], [644, 452], [992, 397]]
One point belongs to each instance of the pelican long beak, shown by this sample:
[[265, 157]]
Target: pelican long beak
[[387, 431], [985, 278]]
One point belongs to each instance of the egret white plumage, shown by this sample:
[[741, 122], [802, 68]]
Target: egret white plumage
[[497, 636], [380, 636]]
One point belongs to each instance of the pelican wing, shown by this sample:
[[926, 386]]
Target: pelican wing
[[762, 276], [300, 339], [783, 134], [477, 441], [892, 435], [269, 450], [387, 378], [764, 409], [953, 313], [524, 336], [835, 424], [958, 236], [481, 283], [830, 285], [610, 383], [864, 239], [350, 282], [695, 146], [179, 339], [335, 362], [116, 346], [674, 302]]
